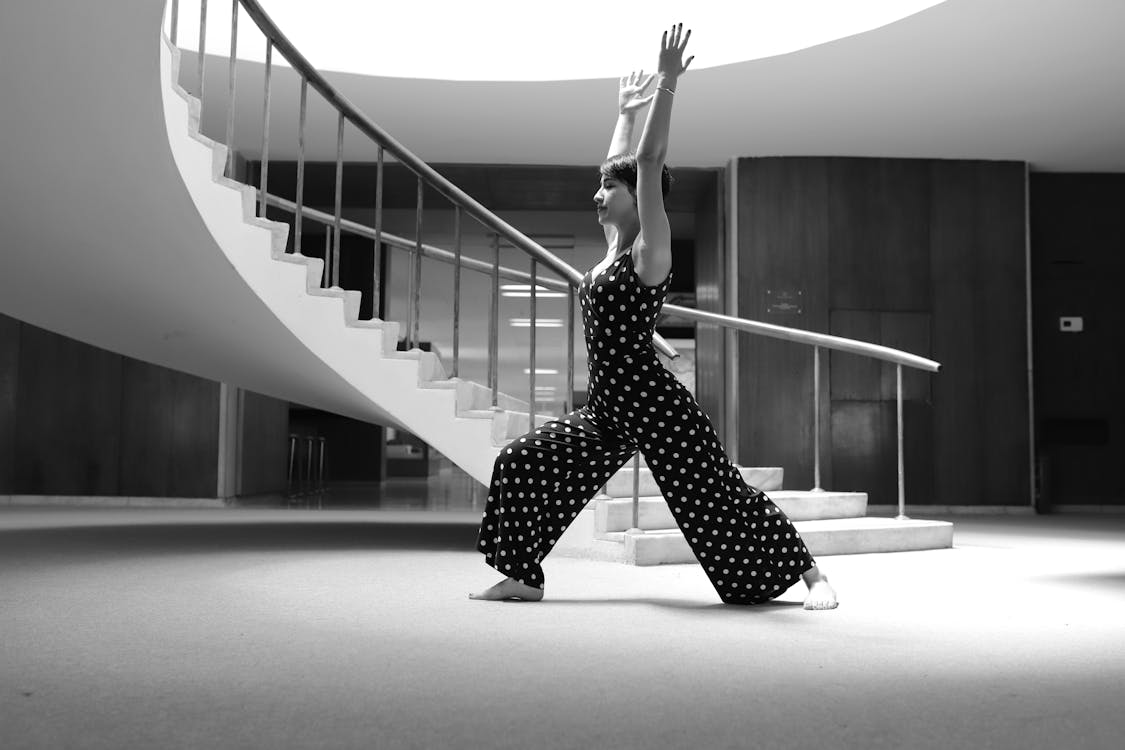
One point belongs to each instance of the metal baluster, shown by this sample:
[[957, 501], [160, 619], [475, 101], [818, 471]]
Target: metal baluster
[[637, 491], [290, 492], [456, 290], [299, 217], [266, 130], [416, 283], [321, 484], [531, 415], [175, 20], [901, 459], [308, 466], [570, 350], [376, 295], [494, 327], [202, 51], [816, 420], [339, 199], [324, 280], [229, 168]]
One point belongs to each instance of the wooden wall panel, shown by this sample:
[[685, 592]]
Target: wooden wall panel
[[879, 234], [68, 417], [926, 256], [783, 240], [83, 421], [9, 381], [195, 436], [265, 445], [865, 451], [710, 260], [146, 430], [1078, 269], [978, 265]]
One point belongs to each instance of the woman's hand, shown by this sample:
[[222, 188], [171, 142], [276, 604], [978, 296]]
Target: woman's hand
[[671, 65], [630, 96]]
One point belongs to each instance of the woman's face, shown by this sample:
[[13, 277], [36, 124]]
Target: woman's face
[[614, 203]]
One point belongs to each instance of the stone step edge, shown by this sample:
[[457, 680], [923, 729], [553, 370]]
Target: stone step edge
[[824, 538], [615, 514]]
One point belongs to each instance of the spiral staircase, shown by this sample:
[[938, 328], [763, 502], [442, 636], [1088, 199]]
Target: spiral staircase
[[118, 205]]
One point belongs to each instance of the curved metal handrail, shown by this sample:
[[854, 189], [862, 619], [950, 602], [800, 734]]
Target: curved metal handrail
[[797, 335]]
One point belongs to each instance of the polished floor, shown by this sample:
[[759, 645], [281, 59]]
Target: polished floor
[[351, 627]]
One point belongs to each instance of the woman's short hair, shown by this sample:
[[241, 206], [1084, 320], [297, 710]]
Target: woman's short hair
[[624, 169]]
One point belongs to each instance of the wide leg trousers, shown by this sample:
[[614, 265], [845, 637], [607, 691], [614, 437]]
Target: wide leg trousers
[[541, 481]]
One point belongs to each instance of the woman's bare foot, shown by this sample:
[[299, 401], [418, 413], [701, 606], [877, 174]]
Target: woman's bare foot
[[510, 588], [821, 594]]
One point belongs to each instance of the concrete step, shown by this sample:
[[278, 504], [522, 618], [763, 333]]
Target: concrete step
[[617, 514], [846, 536], [766, 478]]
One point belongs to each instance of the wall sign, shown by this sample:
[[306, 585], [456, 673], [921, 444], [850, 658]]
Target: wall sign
[[785, 301]]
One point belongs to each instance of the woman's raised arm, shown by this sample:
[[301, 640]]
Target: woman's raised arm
[[630, 98], [653, 247]]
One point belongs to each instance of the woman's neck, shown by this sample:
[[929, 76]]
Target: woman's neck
[[626, 236]]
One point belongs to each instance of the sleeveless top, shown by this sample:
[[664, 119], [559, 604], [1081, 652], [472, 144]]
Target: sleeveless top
[[619, 315]]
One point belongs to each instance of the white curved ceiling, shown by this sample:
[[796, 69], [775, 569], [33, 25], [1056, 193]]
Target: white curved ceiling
[[518, 40], [1027, 80]]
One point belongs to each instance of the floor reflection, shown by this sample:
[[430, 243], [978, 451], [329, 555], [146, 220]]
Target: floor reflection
[[447, 488]]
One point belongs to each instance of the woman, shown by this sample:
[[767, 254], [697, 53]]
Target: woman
[[541, 481]]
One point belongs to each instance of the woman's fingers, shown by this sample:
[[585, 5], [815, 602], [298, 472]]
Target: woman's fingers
[[684, 45]]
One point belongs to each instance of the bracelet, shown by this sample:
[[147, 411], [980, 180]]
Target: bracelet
[[670, 91]]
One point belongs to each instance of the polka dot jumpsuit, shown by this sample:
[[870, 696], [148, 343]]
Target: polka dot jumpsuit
[[541, 481]]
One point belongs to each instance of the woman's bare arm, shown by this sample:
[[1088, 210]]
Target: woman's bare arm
[[652, 251], [630, 99]]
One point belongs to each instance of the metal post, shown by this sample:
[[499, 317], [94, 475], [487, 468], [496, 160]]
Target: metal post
[[456, 290], [321, 485], [531, 377], [308, 464], [299, 217], [637, 490], [416, 283], [202, 51], [293, 444], [494, 328], [901, 460], [229, 168], [376, 294], [339, 199], [816, 420], [266, 130]]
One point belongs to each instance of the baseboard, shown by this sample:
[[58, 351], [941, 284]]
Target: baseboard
[[93, 501], [921, 511]]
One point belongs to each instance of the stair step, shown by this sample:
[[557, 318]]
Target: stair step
[[767, 479], [845, 536], [506, 425], [617, 514]]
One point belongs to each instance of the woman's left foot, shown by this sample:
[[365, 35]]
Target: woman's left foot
[[821, 595], [510, 588]]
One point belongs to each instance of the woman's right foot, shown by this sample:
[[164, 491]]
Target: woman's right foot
[[510, 588]]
